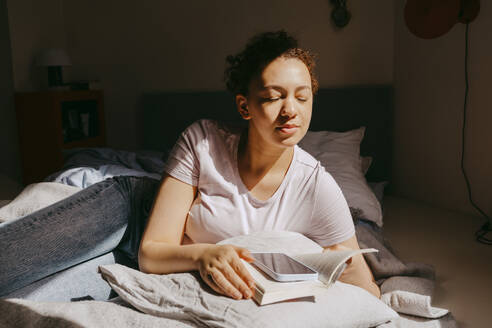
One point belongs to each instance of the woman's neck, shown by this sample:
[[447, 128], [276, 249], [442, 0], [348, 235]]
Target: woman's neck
[[260, 163]]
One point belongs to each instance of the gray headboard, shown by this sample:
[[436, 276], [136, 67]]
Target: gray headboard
[[166, 114]]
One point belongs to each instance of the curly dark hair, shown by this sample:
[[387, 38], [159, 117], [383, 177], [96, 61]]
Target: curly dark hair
[[260, 51]]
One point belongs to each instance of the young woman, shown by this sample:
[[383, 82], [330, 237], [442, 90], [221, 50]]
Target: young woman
[[220, 182]]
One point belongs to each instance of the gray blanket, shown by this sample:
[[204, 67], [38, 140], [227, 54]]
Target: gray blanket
[[405, 287]]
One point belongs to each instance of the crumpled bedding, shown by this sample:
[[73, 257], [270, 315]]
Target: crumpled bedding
[[184, 297], [83, 177], [84, 167], [142, 160], [24, 313], [406, 287]]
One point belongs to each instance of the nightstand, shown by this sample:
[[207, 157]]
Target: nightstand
[[53, 121]]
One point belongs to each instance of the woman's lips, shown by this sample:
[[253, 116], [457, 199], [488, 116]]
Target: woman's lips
[[288, 128]]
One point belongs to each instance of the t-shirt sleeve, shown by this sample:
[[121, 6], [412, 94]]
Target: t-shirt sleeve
[[183, 161], [331, 220]]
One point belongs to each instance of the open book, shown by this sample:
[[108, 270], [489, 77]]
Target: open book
[[329, 265]]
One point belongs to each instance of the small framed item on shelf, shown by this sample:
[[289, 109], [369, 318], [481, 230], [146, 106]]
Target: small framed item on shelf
[[79, 120], [53, 121]]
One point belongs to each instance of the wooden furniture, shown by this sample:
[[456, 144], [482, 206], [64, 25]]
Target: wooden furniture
[[51, 122]]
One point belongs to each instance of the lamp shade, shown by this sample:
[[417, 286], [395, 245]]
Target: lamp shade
[[53, 57]]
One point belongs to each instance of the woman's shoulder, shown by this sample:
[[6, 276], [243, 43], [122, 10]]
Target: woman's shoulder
[[305, 159], [211, 138], [312, 167], [209, 127], [202, 126]]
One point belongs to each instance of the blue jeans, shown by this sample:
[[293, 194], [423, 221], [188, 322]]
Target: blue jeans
[[107, 216]]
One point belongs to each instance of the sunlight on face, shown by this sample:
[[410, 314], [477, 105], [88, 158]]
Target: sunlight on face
[[280, 103]]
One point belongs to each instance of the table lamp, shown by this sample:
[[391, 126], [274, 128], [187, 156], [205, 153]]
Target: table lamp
[[54, 59]]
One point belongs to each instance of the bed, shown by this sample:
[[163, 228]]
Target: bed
[[350, 135]]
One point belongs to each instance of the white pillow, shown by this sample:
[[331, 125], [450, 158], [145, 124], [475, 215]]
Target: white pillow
[[4, 202], [184, 296], [339, 153], [365, 163], [34, 197]]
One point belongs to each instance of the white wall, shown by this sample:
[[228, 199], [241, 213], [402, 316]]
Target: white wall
[[136, 47], [429, 83], [152, 45], [34, 25]]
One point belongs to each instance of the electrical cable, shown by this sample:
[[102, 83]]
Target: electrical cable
[[481, 233]]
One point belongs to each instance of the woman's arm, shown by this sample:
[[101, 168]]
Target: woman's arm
[[357, 271], [166, 226], [161, 250]]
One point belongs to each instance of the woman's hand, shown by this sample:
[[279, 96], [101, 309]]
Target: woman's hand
[[221, 268]]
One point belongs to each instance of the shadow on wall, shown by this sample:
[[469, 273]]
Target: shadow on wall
[[9, 188], [10, 161]]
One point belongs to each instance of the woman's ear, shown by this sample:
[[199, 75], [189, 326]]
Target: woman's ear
[[242, 106]]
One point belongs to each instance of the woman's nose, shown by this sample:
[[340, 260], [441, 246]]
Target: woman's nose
[[288, 108]]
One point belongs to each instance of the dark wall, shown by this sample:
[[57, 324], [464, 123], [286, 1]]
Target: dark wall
[[9, 148]]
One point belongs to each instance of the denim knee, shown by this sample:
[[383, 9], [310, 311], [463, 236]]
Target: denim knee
[[81, 227]]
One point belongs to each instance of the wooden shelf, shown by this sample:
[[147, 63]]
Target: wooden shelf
[[42, 120], [86, 142]]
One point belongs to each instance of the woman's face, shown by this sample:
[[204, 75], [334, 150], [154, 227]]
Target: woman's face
[[279, 103]]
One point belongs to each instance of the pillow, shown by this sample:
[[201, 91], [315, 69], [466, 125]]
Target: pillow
[[378, 190], [339, 153], [34, 197], [4, 202], [183, 296], [365, 163]]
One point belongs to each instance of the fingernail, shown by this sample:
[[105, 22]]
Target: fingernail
[[248, 294], [237, 295]]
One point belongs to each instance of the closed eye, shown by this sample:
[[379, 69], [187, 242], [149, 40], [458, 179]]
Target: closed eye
[[270, 99]]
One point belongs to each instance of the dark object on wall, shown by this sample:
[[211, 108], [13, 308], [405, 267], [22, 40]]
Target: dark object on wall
[[430, 19], [469, 11], [340, 14]]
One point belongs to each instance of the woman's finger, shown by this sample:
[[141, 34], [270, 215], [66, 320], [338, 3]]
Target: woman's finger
[[244, 253], [237, 281], [242, 272], [209, 281], [224, 284]]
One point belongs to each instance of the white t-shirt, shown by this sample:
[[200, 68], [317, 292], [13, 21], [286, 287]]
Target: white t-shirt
[[308, 200]]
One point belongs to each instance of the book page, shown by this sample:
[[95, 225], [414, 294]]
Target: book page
[[329, 264]]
